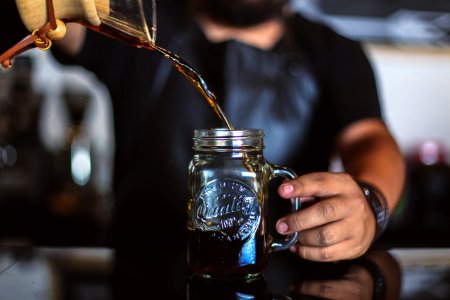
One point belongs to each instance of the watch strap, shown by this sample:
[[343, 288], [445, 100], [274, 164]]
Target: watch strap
[[378, 204]]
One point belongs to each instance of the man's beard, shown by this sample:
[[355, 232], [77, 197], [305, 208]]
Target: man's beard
[[240, 13]]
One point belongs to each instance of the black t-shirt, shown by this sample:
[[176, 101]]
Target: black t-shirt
[[311, 85]]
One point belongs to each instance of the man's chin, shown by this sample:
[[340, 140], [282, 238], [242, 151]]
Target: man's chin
[[240, 13]]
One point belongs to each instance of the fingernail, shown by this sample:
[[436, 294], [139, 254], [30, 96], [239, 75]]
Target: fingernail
[[293, 249], [287, 188], [283, 227]]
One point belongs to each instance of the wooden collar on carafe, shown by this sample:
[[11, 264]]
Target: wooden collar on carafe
[[41, 38]]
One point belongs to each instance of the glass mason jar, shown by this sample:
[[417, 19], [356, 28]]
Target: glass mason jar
[[228, 204]]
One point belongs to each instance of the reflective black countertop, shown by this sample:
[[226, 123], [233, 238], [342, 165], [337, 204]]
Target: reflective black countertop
[[102, 273]]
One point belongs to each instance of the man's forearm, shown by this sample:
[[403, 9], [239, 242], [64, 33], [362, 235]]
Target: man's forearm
[[374, 157]]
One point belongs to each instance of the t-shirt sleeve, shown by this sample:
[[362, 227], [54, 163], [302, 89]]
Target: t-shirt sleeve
[[350, 81]]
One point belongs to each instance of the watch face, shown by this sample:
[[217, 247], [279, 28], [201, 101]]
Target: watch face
[[228, 209]]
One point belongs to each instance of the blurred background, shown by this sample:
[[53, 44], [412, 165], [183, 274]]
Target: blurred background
[[57, 144]]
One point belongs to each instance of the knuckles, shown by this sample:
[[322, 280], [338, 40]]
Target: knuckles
[[327, 211], [326, 237], [325, 254], [318, 177]]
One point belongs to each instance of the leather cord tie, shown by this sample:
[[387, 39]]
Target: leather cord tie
[[38, 38]]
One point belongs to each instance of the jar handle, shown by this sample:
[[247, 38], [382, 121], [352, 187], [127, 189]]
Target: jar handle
[[276, 244]]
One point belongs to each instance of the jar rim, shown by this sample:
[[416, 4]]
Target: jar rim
[[221, 139], [226, 133]]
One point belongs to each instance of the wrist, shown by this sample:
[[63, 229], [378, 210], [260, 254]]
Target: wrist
[[378, 205]]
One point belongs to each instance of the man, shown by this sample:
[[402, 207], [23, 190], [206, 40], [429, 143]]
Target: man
[[311, 90]]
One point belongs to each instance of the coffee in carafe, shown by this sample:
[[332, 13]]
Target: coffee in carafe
[[132, 22]]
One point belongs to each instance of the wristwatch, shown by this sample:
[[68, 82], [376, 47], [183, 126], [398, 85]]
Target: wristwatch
[[378, 204]]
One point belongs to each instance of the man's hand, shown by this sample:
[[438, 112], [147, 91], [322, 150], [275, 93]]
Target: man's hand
[[340, 225]]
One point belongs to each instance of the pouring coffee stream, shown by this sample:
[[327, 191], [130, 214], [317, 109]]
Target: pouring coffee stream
[[197, 81], [144, 39], [127, 21]]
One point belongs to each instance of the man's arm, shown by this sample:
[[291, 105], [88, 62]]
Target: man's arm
[[369, 153]]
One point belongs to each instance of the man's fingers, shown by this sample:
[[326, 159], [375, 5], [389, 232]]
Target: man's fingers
[[320, 184], [321, 213], [326, 235]]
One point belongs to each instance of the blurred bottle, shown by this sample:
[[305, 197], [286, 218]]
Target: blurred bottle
[[24, 161], [422, 216], [76, 201], [430, 186]]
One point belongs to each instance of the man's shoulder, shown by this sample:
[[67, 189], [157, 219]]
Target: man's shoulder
[[317, 33], [309, 23]]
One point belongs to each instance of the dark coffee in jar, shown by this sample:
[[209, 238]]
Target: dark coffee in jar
[[228, 204]]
